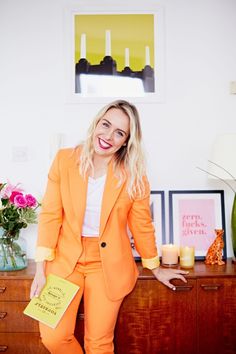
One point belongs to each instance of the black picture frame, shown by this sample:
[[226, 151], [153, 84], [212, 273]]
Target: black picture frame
[[157, 206], [193, 217]]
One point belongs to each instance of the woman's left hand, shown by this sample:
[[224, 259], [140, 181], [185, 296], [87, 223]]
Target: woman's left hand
[[165, 275]]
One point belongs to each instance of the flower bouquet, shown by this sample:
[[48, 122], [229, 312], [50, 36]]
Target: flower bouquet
[[17, 211]]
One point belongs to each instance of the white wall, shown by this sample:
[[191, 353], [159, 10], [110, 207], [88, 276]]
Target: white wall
[[200, 62]]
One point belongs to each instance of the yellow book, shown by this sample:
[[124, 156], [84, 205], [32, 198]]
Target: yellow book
[[53, 301]]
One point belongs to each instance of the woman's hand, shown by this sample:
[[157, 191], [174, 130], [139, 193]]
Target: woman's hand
[[39, 280], [165, 275]]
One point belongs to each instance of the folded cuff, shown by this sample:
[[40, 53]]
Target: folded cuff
[[44, 254], [151, 263]]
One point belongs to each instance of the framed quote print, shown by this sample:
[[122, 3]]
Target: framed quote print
[[193, 217]]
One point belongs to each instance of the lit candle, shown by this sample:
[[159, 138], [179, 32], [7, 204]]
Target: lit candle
[[187, 256], [83, 46], [126, 56], [147, 55], [108, 43], [169, 254]]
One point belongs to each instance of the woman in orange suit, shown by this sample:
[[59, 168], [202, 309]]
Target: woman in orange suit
[[94, 192]]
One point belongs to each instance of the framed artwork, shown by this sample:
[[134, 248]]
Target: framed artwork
[[194, 215], [157, 207], [115, 51]]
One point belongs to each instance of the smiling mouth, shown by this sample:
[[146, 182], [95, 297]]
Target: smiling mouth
[[103, 144]]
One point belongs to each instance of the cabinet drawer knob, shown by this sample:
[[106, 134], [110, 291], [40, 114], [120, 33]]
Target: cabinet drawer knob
[[183, 288], [2, 289], [3, 348], [210, 287], [81, 316], [2, 315]]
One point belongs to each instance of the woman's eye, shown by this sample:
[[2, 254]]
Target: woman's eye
[[104, 124], [121, 134]]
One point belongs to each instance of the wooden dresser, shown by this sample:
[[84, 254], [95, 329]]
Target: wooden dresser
[[199, 317]]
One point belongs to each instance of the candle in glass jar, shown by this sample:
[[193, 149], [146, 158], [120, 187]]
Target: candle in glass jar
[[187, 256], [169, 254]]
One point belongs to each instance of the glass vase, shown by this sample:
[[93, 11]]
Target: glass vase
[[12, 253]]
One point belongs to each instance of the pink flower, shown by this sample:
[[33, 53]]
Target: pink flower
[[7, 190], [20, 201], [31, 201], [12, 197]]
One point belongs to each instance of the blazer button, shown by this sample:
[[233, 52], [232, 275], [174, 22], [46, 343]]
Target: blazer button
[[103, 244]]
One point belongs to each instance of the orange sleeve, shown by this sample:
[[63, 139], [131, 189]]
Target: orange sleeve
[[142, 229], [44, 254], [151, 263], [50, 217]]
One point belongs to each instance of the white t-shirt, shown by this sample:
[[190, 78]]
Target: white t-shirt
[[91, 222]]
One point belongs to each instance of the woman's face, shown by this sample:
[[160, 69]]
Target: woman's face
[[111, 132]]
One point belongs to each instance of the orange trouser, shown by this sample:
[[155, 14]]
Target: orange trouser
[[100, 312]]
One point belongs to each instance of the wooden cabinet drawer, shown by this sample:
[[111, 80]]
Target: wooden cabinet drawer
[[12, 318], [216, 315], [150, 316], [15, 290], [21, 343]]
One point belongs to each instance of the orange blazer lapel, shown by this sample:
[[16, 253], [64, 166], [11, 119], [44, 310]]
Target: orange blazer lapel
[[110, 195], [78, 192], [78, 186]]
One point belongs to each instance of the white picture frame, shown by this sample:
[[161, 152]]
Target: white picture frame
[[109, 9]]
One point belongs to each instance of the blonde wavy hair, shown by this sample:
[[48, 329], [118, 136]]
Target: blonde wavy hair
[[129, 161]]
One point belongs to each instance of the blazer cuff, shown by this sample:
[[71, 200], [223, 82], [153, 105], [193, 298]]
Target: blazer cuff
[[44, 254], [151, 263]]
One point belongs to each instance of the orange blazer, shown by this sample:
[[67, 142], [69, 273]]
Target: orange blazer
[[61, 220]]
